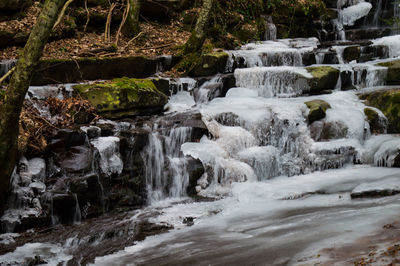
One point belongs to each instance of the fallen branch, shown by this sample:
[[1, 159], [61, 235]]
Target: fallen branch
[[157, 47], [62, 13], [2, 79], [131, 40], [94, 52]]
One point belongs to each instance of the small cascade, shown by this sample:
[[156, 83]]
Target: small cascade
[[377, 14], [165, 167], [6, 65], [271, 53], [270, 31], [273, 81], [396, 17]]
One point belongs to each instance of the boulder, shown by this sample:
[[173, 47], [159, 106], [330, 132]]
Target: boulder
[[123, 97], [377, 123], [351, 53], [210, 64], [393, 75], [388, 101], [323, 131], [317, 110], [76, 160], [324, 78]]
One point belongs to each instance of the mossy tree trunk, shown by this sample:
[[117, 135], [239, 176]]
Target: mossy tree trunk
[[198, 36], [132, 27], [15, 94]]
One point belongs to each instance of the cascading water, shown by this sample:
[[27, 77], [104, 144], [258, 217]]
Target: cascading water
[[165, 168], [258, 134]]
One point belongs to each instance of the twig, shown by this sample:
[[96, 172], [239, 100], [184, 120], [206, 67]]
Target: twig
[[104, 55], [107, 34], [62, 13], [124, 17], [134, 38], [87, 17], [7, 75], [157, 47]]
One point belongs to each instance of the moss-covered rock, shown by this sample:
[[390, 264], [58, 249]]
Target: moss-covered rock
[[377, 123], [393, 75], [324, 78], [123, 97], [50, 71], [317, 110], [351, 53], [210, 64], [388, 101]]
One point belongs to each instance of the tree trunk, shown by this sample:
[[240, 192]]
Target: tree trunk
[[15, 94], [198, 36], [132, 27]]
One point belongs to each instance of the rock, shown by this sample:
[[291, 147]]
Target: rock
[[382, 188], [377, 123], [76, 160], [37, 167], [162, 85], [188, 221], [210, 64], [317, 110], [92, 131], [351, 53], [5, 38], [123, 97], [72, 71], [14, 5], [323, 131], [393, 75], [388, 101], [37, 260], [367, 33], [324, 78], [308, 58], [196, 171], [64, 207], [38, 187], [346, 80]]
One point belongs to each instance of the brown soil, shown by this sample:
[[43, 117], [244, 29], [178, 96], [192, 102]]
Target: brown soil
[[154, 39]]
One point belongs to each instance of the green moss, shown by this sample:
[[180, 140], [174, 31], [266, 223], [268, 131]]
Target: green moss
[[317, 110], [123, 95], [324, 78], [388, 101]]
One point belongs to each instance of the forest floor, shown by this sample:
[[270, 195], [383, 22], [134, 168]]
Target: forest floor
[[153, 40]]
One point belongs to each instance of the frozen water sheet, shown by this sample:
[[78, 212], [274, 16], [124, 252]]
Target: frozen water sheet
[[271, 224]]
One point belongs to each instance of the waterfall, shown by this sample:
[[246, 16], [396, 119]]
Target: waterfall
[[273, 81], [165, 167], [270, 31], [396, 17]]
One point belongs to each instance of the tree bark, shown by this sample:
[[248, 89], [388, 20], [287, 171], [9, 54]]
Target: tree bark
[[132, 27], [198, 36], [15, 94]]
